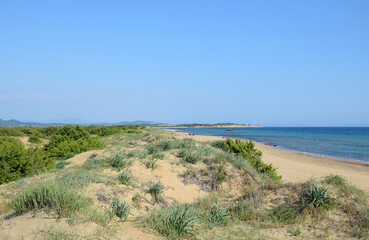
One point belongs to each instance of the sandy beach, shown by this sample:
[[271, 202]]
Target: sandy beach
[[298, 167]]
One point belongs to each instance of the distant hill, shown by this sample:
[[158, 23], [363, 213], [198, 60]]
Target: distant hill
[[16, 123]]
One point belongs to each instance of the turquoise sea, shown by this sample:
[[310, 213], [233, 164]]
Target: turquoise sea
[[341, 142]]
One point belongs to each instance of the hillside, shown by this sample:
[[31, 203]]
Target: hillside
[[155, 184]]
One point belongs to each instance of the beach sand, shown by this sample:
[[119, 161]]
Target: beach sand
[[299, 167]]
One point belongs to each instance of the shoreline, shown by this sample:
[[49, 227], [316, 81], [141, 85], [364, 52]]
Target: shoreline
[[296, 166], [218, 126]]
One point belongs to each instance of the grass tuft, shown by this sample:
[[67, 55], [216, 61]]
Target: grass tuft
[[51, 196], [174, 222], [125, 177]]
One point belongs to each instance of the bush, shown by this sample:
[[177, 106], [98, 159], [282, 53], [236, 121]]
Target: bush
[[17, 162], [68, 155], [34, 139], [61, 164], [71, 139], [247, 150], [125, 177], [175, 222], [4, 131], [51, 196]]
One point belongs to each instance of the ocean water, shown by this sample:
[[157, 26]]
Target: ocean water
[[340, 142]]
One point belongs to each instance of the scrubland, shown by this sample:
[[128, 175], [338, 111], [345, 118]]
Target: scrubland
[[147, 183]]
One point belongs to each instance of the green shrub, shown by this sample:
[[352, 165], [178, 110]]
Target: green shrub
[[17, 162], [174, 222], [247, 150], [68, 155], [71, 139], [51, 196], [217, 215], [5, 131], [125, 177], [61, 164], [34, 139]]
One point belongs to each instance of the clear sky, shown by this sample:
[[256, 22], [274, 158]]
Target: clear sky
[[272, 63]]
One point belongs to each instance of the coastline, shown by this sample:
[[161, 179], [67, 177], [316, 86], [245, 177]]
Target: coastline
[[219, 126], [299, 167]]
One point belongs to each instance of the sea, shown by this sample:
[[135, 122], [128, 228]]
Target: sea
[[351, 143]]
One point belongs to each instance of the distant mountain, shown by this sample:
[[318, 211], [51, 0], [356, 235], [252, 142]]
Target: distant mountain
[[16, 123]]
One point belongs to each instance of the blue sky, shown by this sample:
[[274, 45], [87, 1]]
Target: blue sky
[[272, 63]]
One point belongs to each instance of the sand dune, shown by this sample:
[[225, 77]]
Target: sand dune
[[298, 167]]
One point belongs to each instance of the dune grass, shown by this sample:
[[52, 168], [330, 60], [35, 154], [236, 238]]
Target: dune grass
[[50, 196]]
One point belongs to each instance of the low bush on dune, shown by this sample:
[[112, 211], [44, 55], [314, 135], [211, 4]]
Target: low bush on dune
[[34, 139], [14, 132], [17, 162], [247, 150], [51, 196]]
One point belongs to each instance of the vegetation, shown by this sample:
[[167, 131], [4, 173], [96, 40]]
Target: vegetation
[[34, 139], [155, 189], [175, 222], [238, 200], [120, 209], [125, 177], [17, 162], [246, 149], [316, 196], [49, 196]]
